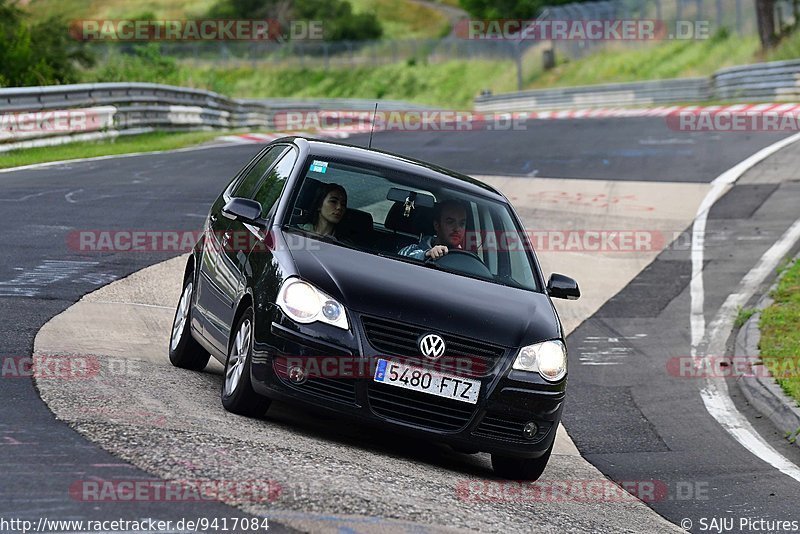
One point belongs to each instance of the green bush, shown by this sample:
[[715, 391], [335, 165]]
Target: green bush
[[145, 64], [500, 9], [340, 23], [37, 54], [509, 9]]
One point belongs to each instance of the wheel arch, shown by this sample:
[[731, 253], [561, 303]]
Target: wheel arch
[[190, 267], [245, 301]]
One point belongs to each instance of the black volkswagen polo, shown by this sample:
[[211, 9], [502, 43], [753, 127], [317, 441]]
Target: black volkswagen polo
[[316, 281]]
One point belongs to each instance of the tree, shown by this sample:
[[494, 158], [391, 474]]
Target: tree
[[39, 54], [341, 24], [765, 19], [339, 21]]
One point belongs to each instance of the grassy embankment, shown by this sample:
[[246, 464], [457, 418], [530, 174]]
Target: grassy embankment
[[400, 20], [780, 332], [453, 84], [122, 145], [449, 84]]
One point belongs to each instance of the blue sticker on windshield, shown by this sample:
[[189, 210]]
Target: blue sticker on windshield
[[319, 166]]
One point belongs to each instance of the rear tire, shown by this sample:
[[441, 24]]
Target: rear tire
[[520, 468], [237, 393], [184, 350]]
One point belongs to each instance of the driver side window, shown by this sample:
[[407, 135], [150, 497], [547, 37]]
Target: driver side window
[[246, 187], [272, 185]]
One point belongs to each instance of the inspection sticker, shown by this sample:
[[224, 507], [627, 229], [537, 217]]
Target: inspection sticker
[[319, 166]]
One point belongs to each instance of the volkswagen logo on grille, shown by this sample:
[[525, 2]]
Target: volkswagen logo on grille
[[431, 346]]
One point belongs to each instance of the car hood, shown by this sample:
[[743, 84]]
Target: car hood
[[416, 294]]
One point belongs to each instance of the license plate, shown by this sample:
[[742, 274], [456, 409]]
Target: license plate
[[432, 382]]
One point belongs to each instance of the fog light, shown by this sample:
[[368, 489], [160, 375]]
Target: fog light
[[530, 430], [297, 375]]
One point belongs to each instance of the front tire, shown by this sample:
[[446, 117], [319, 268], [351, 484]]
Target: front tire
[[520, 468], [238, 395], [184, 350]]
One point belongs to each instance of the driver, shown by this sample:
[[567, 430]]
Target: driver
[[449, 222]]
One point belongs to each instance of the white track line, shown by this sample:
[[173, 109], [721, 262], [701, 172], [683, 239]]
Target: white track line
[[112, 156], [227, 143], [715, 391]]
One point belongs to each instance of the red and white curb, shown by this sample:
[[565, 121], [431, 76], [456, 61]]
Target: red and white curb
[[670, 113], [250, 138], [662, 111]]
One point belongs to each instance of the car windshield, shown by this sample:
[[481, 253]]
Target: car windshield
[[403, 216]]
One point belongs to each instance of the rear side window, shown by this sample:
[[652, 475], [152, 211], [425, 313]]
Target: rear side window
[[270, 189], [247, 185]]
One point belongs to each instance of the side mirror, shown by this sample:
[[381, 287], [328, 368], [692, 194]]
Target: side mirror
[[244, 210], [563, 287]]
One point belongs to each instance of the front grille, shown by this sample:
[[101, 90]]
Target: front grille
[[420, 409], [337, 389], [499, 428], [463, 356]]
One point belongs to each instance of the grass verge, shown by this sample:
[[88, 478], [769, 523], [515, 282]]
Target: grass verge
[[675, 59], [405, 19], [121, 145], [400, 19], [780, 332], [448, 84], [742, 315], [452, 84]]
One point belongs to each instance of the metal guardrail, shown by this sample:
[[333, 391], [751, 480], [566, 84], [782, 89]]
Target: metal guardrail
[[774, 81], [42, 116], [342, 104], [115, 108], [621, 94], [767, 82], [130, 99]]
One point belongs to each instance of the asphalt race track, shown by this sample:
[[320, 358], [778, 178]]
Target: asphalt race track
[[634, 420]]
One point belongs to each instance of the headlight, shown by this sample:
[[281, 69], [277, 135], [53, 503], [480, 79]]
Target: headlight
[[548, 358], [305, 303]]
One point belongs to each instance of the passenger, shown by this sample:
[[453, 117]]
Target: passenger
[[328, 209], [449, 222]]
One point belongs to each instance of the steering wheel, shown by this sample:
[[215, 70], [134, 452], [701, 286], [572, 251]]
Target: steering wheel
[[463, 261]]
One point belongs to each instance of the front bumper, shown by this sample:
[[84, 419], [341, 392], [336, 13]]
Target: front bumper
[[508, 399]]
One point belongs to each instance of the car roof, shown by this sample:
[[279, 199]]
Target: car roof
[[330, 149]]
